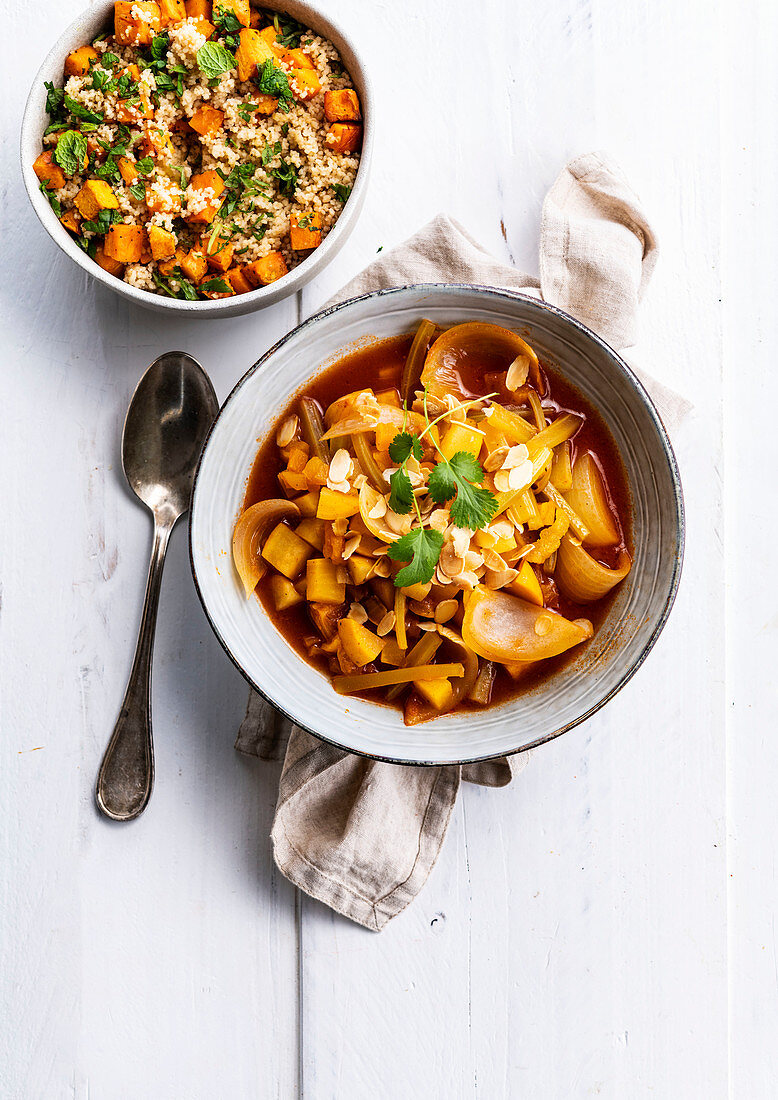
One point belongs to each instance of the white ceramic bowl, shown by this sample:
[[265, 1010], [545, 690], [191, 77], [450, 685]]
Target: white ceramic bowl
[[99, 17], [566, 698]]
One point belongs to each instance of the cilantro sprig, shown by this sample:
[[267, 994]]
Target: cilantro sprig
[[421, 548], [403, 446], [462, 475]]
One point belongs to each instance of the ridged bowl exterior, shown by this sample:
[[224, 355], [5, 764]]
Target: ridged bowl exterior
[[570, 695]]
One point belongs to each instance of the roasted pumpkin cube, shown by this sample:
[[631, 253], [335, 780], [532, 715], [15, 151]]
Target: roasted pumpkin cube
[[417, 591], [323, 583], [308, 504], [461, 437], [297, 456], [438, 693], [48, 171], [359, 567], [155, 142], [316, 472], [194, 265], [198, 9], [298, 59], [305, 84], [163, 196], [207, 120], [266, 270], [168, 266], [265, 104], [171, 11], [206, 208], [236, 277], [342, 106], [219, 254], [205, 28], [343, 137], [527, 586], [124, 243], [239, 8], [127, 170], [286, 551], [71, 220], [312, 530], [270, 35], [94, 196], [80, 61], [284, 593], [334, 505], [305, 230], [136, 22], [292, 483], [361, 645], [135, 112], [252, 52], [107, 263]]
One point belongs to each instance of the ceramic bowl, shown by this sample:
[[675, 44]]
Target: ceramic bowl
[[99, 17], [568, 696]]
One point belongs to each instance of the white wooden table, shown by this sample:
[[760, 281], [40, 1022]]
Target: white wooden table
[[604, 925]]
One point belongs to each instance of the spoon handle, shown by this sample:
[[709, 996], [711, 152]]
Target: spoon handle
[[126, 774]]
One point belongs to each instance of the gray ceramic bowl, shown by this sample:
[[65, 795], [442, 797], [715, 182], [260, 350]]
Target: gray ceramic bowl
[[99, 17], [570, 695]]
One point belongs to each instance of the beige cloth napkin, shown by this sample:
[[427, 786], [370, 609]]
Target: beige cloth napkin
[[357, 834]]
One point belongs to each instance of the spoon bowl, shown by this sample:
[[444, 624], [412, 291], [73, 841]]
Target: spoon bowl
[[168, 420]]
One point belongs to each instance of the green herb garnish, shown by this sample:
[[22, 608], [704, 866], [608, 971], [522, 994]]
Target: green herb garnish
[[342, 192], [70, 153], [56, 205], [462, 475], [77, 110], [214, 59], [216, 285], [421, 547], [271, 80]]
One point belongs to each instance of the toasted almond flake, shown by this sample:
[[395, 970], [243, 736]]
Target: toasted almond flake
[[488, 411], [439, 519], [378, 552], [386, 624], [501, 528], [401, 525], [519, 477], [338, 486], [499, 578], [517, 373], [493, 560], [515, 456], [340, 525], [450, 562], [359, 481], [473, 560], [429, 628], [502, 481], [446, 610], [543, 624], [378, 511], [467, 579], [460, 539], [495, 459], [357, 613], [351, 546], [383, 568], [287, 431], [340, 466]]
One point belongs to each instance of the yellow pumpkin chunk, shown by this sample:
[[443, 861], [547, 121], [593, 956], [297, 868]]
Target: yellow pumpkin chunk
[[286, 551], [360, 644]]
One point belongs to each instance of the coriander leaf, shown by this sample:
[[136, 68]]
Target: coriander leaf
[[474, 506], [77, 110], [271, 80], [216, 285], [403, 446], [70, 153], [214, 59], [342, 192], [401, 498], [422, 549]]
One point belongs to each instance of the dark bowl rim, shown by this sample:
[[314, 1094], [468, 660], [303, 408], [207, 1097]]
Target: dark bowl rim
[[494, 292]]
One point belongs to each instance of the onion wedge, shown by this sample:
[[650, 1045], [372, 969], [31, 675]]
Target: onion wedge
[[588, 497], [250, 531], [501, 627], [581, 577]]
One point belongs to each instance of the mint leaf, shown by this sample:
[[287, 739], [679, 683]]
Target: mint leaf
[[271, 80], [137, 190], [54, 98], [144, 166], [77, 110], [216, 285], [422, 549], [214, 59], [401, 497], [403, 446], [473, 507], [342, 192], [70, 153]]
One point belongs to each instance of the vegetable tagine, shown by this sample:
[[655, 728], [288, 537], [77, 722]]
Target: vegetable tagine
[[201, 149], [443, 536]]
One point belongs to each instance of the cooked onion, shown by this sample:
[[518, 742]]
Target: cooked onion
[[581, 577], [462, 342], [501, 627], [249, 533], [588, 497]]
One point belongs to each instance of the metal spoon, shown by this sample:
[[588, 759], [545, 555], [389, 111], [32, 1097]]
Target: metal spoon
[[167, 422]]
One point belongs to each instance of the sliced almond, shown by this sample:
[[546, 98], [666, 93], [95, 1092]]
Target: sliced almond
[[340, 526], [287, 431], [357, 613], [450, 563], [342, 574], [386, 624], [351, 546], [492, 560], [473, 560], [446, 610], [338, 486], [439, 519], [517, 374], [401, 525], [382, 568], [515, 456], [340, 466], [496, 458], [494, 578], [460, 539], [378, 511], [501, 528], [519, 477]]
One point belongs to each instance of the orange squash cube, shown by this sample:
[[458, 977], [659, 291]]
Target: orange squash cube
[[207, 120], [162, 243], [267, 270], [71, 220], [205, 28], [342, 106], [168, 267], [305, 84], [135, 22], [343, 137], [48, 171], [238, 281], [93, 197], [208, 211], [171, 11], [239, 8], [113, 267], [154, 143], [79, 62], [305, 231], [124, 243], [265, 104], [251, 52], [219, 254], [198, 9], [194, 266], [127, 170], [269, 36], [163, 196]]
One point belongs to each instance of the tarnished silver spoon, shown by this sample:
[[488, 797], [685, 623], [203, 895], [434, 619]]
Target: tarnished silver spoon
[[167, 422]]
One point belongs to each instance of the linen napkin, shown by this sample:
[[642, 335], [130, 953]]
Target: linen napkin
[[357, 834]]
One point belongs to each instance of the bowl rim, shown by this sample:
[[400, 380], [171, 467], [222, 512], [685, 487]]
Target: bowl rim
[[631, 377], [313, 264]]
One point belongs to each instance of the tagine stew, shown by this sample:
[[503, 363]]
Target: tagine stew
[[444, 537]]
